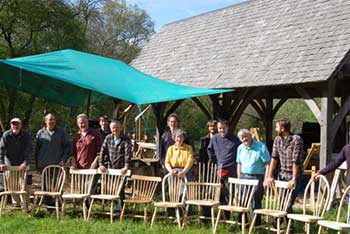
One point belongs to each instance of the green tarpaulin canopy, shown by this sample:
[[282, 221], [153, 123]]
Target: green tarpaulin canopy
[[68, 76]]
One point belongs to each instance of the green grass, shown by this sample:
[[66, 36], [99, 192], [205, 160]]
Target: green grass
[[45, 222]]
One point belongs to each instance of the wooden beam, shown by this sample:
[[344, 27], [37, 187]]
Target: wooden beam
[[202, 107], [258, 110], [253, 93], [278, 106], [344, 110], [310, 102], [173, 108]]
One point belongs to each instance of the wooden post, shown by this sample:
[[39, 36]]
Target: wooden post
[[326, 123], [269, 123]]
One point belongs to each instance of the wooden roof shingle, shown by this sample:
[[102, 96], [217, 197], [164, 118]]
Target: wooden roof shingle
[[256, 43]]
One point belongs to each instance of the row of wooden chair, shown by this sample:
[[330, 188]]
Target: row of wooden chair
[[179, 194]]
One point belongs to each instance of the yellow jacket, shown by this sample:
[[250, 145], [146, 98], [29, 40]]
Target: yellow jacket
[[179, 157]]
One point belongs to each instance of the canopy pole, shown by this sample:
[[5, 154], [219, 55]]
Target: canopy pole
[[88, 103]]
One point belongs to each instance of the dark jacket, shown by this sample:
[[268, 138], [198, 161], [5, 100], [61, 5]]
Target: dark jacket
[[114, 155], [15, 150], [344, 155]]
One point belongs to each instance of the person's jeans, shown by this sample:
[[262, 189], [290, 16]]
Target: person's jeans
[[294, 193], [225, 190], [257, 194]]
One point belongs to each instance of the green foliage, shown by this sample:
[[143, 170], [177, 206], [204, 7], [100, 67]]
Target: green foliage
[[297, 112], [107, 27]]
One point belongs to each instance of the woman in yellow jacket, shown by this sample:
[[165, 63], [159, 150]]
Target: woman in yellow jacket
[[179, 157]]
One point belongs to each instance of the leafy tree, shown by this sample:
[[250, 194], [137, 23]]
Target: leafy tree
[[119, 30]]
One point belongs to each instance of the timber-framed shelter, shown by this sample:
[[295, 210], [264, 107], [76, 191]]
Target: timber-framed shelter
[[268, 51]]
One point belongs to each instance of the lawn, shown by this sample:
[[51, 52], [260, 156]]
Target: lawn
[[45, 222]]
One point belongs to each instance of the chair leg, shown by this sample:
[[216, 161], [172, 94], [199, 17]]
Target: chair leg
[[122, 213], [288, 226], [320, 229], [40, 203], [243, 223], [217, 221], [278, 226], [307, 225], [2, 204], [145, 214], [84, 209], [62, 208], [185, 216], [57, 204], [25, 204], [199, 214], [212, 217], [178, 218], [111, 212], [252, 224], [154, 215], [90, 208]]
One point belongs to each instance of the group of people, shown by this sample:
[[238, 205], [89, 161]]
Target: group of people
[[241, 157], [102, 148], [236, 156]]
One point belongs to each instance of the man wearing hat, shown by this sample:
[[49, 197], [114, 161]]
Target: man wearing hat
[[15, 148]]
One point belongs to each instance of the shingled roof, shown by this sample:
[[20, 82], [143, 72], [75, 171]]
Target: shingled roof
[[256, 43]]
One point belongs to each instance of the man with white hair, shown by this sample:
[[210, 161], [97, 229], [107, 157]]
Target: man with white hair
[[86, 145], [253, 160]]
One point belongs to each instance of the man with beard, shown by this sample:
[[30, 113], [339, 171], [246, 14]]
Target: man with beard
[[288, 150]]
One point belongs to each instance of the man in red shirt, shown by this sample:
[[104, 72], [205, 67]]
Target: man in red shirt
[[86, 145]]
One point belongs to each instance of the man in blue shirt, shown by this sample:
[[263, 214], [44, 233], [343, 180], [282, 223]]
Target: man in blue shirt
[[253, 160], [223, 148]]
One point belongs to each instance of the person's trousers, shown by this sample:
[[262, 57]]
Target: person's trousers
[[258, 192]]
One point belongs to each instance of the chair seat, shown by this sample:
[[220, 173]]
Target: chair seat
[[75, 196], [168, 204], [202, 203], [45, 193], [104, 197], [13, 192], [137, 201], [273, 213], [234, 208], [304, 218], [339, 226]]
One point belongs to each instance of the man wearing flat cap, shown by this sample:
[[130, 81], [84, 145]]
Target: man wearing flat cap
[[15, 146]]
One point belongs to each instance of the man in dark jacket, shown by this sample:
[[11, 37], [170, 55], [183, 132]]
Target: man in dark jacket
[[15, 149]]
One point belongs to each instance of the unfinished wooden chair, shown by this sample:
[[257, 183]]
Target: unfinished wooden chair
[[240, 197], [143, 189], [314, 205], [52, 181], [342, 223], [112, 182], [208, 173], [173, 198], [14, 186], [202, 194], [276, 203], [80, 188]]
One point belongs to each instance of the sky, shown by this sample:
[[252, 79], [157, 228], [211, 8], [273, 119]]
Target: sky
[[167, 11]]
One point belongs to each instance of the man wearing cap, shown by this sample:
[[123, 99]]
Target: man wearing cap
[[15, 146], [15, 149]]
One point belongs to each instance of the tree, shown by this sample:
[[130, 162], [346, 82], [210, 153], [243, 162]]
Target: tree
[[119, 30], [31, 27]]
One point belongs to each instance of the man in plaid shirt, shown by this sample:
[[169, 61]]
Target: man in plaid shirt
[[288, 150], [116, 152]]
